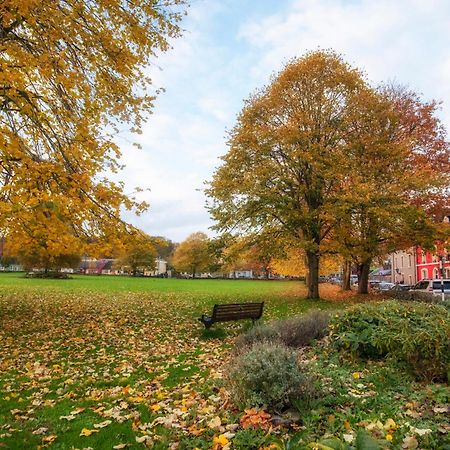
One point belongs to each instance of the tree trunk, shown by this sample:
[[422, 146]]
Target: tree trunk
[[346, 272], [193, 272], [313, 274], [363, 277]]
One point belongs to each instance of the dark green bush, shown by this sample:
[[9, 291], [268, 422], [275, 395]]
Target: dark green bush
[[267, 375], [295, 332], [417, 334], [49, 274]]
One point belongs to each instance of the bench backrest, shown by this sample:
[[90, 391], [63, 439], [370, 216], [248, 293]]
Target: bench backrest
[[234, 311]]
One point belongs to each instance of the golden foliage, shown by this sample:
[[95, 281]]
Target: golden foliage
[[71, 72], [192, 255]]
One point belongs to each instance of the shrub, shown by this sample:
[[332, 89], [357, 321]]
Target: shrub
[[50, 274], [419, 296], [267, 375], [295, 332], [302, 330], [417, 334], [256, 334]]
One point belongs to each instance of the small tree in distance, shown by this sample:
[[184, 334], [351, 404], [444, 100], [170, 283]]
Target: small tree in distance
[[139, 253], [193, 255]]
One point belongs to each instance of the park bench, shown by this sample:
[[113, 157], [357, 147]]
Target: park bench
[[233, 311]]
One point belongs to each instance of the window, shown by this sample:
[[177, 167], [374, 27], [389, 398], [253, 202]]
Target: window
[[437, 285], [409, 260], [424, 273], [421, 285]]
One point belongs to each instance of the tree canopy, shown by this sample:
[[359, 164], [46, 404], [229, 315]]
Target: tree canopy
[[71, 73], [139, 253], [192, 255]]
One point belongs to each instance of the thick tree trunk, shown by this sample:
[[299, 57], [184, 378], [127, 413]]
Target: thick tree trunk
[[193, 272], [346, 272], [363, 277], [313, 274]]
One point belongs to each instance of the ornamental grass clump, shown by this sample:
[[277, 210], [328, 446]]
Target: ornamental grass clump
[[301, 331], [296, 332], [414, 334], [268, 376]]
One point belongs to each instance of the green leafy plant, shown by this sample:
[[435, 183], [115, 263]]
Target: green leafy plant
[[416, 334], [267, 375]]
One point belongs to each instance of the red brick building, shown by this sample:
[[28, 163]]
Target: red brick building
[[428, 264]]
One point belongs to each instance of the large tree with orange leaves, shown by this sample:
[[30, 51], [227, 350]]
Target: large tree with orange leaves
[[330, 163], [398, 169], [71, 73], [282, 168]]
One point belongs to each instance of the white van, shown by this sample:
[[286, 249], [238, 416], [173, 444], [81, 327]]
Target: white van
[[432, 286]]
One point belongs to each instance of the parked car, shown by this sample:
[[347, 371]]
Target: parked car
[[432, 286], [400, 287], [384, 286], [335, 280]]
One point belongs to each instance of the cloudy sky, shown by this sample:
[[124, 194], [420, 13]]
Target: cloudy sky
[[230, 48]]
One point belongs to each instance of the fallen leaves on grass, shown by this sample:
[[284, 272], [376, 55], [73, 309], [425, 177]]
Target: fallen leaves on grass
[[255, 418], [87, 432]]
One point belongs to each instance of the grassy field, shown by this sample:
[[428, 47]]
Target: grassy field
[[116, 362]]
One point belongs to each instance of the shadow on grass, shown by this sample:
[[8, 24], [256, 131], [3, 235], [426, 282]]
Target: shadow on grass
[[216, 333]]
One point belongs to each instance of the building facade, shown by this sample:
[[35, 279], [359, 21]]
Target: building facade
[[428, 263], [403, 267]]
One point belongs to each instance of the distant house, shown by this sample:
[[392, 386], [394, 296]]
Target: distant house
[[242, 273], [416, 264], [428, 263], [404, 268], [104, 266], [160, 268], [381, 274]]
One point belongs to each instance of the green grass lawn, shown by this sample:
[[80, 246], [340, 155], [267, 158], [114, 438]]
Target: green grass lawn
[[116, 362], [114, 284]]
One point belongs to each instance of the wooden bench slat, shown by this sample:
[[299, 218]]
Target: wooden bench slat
[[233, 311]]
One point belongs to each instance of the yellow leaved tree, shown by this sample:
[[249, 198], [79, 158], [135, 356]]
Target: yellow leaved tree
[[193, 255], [71, 73]]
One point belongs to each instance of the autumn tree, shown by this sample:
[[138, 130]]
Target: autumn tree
[[164, 247], [72, 74], [138, 253], [282, 169], [30, 259], [398, 158], [294, 264], [192, 255]]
